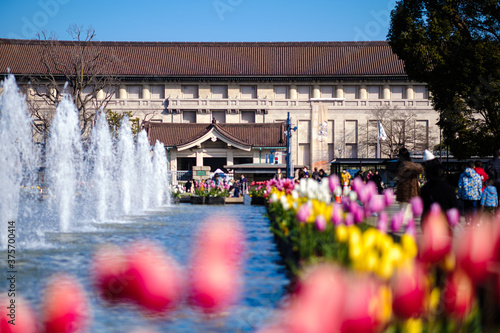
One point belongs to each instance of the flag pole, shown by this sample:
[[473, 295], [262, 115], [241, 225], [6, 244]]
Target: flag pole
[[378, 139]]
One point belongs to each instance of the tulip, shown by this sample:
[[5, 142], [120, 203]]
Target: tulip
[[215, 267], [320, 223], [389, 196], [397, 220], [383, 222], [20, 313], [409, 290], [458, 294], [349, 219], [435, 241], [337, 212], [65, 306], [156, 282], [376, 204], [333, 183], [108, 273], [367, 307], [417, 206], [453, 216], [475, 251], [357, 184], [317, 304], [411, 228], [304, 212]]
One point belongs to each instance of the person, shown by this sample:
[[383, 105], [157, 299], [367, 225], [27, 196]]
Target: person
[[216, 179], [278, 174], [189, 185], [346, 178], [408, 183], [437, 189], [369, 175], [493, 168], [322, 174], [478, 167], [469, 191], [489, 198], [306, 172], [236, 189], [315, 174], [301, 175], [359, 174], [377, 179], [243, 184]]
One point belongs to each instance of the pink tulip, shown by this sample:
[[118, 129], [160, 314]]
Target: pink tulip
[[108, 273], [357, 212], [475, 251], [215, 266], [409, 291], [376, 204], [316, 306], [411, 229], [320, 223], [337, 213], [349, 219], [20, 313], [389, 196], [156, 282], [417, 206], [65, 306], [333, 182], [397, 221], [383, 222], [435, 241], [458, 294], [453, 216], [357, 184], [304, 212]]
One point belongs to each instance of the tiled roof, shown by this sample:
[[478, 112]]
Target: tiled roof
[[256, 135], [296, 59]]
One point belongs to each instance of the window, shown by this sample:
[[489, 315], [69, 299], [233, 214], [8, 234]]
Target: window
[[372, 138], [157, 92], [420, 92], [219, 92], [280, 92], [421, 134], [248, 92], [304, 154], [304, 131], [190, 91], [189, 116], [373, 92], [87, 90], [110, 91], [219, 116], [303, 92], [248, 117], [350, 92], [397, 92], [134, 92], [327, 92], [330, 140], [351, 138]]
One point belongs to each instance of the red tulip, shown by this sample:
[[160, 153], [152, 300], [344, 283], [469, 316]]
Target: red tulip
[[475, 251], [458, 294], [155, 280], [215, 267], [65, 307], [17, 316], [435, 241], [367, 306], [317, 305], [409, 290], [109, 266]]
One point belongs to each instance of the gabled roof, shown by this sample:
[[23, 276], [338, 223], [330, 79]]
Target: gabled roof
[[241, 136], [189, 59]]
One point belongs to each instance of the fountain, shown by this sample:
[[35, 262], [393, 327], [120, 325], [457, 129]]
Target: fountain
[[113, 190]]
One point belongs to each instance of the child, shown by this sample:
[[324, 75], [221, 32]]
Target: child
[[489, 198]]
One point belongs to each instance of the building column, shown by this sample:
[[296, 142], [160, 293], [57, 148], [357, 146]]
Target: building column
[[410, 94], [199, 157], [122, 92], [100, 94], [386, 94], [340, 91], [318, 143], [316, 93], [146, 92], [363, 93], [293, 91], [229, 156]]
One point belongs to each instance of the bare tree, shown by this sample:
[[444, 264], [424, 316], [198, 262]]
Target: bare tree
[[83, 66], [403, 129]]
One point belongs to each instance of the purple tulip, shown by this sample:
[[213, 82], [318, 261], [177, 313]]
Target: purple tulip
[[320, 223], [337, 212], [383, 222], [389, 196], [303, 213], [411, 229], [435, 208], [349, 219], [397, 221], [357, 184], [453, 216], [333, 182], [417, 206], [357, 212], [376, 204]]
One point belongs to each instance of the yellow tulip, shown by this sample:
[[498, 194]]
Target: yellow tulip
[[409, 246], [413, 325], [341, 233]]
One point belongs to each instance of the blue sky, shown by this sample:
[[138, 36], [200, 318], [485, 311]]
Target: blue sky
[[201, 20]]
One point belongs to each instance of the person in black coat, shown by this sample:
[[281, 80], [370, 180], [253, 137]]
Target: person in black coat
[[437, 189]]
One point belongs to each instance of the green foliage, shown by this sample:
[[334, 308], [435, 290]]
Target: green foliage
[[115, 120], [454, 46]]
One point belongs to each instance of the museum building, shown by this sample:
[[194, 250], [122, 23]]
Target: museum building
[[224, 105]]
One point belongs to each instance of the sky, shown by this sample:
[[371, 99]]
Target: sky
[[200, 20]]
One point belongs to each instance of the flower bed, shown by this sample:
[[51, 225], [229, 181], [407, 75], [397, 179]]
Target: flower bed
[[208, 193], [442, 280]]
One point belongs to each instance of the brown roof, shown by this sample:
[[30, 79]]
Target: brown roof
[[255, 135], [242, 59]]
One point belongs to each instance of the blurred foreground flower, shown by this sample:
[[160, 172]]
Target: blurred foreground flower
[[17, 316]]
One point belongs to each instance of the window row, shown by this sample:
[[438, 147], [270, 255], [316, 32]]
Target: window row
[[246, 117]]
